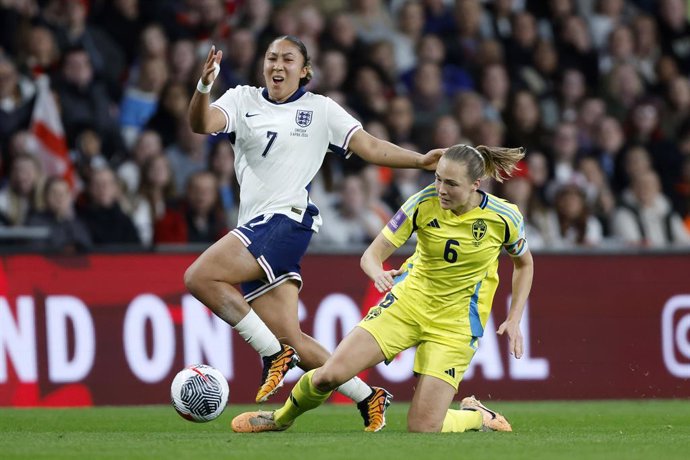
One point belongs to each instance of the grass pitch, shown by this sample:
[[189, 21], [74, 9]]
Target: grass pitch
[[543, 430]]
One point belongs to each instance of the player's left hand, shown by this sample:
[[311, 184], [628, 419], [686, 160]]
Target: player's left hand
[[430, 160], [514, 336], [383, 282]]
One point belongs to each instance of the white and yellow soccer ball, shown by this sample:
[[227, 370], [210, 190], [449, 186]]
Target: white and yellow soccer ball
[[199, 393]]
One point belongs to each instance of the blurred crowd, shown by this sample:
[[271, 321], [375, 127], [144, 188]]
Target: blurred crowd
[[597, 91]]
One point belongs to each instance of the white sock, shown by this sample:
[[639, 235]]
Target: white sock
[[255, 332], [355, 389]]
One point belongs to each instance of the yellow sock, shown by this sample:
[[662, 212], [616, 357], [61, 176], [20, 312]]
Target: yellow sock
[[303, 397], [457, 421]]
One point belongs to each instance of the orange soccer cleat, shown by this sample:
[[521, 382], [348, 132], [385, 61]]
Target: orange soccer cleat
[[275, 368]]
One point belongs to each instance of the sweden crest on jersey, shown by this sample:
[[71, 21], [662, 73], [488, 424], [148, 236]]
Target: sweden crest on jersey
[[478, 229], [303, 118]]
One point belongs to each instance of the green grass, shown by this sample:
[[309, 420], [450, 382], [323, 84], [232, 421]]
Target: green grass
[[544, 430]]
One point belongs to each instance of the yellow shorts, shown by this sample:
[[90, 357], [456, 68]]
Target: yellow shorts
[[443, 351]]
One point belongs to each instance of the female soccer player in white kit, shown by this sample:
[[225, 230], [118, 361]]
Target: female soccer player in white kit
[[281, 134]]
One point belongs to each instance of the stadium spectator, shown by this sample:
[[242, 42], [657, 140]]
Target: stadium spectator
[[404, 183], [676, 110], [354, 223], [468, 109], [623, 87], [495, 87], [341, 34], [103, 214], [380, 55], [410, 25], [446, 132], [203, 213], [571, 92], [42, 54], [521, 41], [157, 213], [123, 21], [608, 148], [182, 61], [140, 100], [645, 217], [255, 16], [621, 48], [589, 116], [106, 58], [221, 162], [371, 20], [16, 99], [171, 111], [470, 27], [238, 66], [428, 100], [600, 197], [399, 119], [188, 155], [431, 48], [67, 233], [647, 46], [644, 128], [674, 31], [23, 192], [85, 101], [576, 51], [87, 154], [608, 15], [564, 150], [519, 190], [333, 71], [369, 94], [147, 145], [523, 122], [570, 224]]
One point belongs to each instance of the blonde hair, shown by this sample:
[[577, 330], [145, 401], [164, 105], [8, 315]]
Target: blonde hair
[[482, 161]]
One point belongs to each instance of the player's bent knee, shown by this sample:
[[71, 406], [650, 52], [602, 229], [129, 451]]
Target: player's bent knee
[[191, 279], [326, 380], [423, 425]]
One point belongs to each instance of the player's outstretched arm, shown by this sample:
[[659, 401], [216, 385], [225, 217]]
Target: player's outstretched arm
[[372, 263], [202, 118], [523, 272], [384, 153]]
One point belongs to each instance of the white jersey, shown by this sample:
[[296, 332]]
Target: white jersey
[[279, 147]]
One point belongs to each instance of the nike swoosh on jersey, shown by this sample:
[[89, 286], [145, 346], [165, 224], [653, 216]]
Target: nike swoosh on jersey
[[249, 115]]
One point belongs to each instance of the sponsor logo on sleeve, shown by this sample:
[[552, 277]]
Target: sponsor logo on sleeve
[[397, 220]]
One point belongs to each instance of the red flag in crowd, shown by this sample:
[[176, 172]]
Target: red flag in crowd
[[46, 127]]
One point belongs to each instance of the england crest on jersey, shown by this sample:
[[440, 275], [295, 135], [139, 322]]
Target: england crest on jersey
[[303, 117]]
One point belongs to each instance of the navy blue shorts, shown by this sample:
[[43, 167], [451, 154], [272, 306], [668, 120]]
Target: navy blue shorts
[[278, 244]]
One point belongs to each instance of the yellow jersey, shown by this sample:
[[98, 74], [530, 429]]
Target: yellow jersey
[[452, 275]]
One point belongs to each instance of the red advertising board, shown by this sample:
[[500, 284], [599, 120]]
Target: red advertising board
[[114, 329]]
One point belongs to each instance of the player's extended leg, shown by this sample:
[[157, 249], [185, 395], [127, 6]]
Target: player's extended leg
[[429, 411], [278, 309], [211, 278], [358, 351]]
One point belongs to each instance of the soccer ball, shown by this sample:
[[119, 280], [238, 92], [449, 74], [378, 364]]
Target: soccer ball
[[199, 393]]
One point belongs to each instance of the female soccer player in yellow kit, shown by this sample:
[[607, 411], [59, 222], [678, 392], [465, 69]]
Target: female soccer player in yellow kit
[[440, 300]]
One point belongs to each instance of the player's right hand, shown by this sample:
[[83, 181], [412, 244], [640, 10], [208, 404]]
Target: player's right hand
[[209, 74], [384, 281]]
